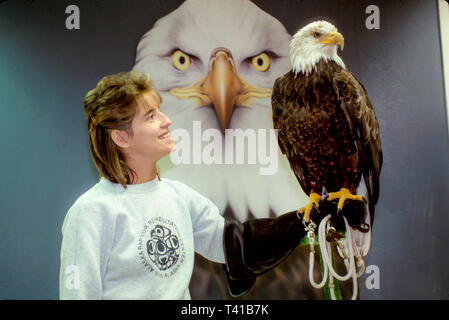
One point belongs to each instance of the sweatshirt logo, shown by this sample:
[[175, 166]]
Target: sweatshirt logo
[[160, 248], [163, 247]]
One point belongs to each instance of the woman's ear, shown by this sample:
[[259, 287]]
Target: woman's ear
[[121, 138]]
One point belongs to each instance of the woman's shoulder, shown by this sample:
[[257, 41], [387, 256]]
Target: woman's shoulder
[[95, 201], [92, 210], [94, 194]]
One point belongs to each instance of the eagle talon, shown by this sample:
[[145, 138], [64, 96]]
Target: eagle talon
[[343, 195], [314, 202]]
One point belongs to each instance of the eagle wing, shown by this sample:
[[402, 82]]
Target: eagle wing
[[364, 127], [278, 114], [288, 128]]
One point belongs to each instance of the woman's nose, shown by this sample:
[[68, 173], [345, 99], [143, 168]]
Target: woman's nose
[[165, 120]]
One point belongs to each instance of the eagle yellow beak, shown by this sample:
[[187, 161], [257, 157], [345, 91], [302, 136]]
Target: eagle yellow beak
[[222, 88], [334, 38], [223, 85]]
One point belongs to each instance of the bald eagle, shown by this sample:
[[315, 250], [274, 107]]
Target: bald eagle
[[326, 124]]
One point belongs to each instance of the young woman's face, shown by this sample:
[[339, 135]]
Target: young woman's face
[[151, 138]]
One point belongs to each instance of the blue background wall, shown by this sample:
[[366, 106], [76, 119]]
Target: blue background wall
[[45, 71]]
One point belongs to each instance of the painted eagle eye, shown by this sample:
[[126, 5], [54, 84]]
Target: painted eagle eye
[[261, 62], [316, 35], [181, 61]]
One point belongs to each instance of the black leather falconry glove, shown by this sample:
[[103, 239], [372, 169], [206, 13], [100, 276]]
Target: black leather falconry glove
[[257, 246]]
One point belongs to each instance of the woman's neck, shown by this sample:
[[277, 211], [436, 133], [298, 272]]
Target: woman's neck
[[145, 171]]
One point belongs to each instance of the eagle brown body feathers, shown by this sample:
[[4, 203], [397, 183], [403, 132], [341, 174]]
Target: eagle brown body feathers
[[328, 130]]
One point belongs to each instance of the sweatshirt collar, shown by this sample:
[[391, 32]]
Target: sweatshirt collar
[[131, 188]]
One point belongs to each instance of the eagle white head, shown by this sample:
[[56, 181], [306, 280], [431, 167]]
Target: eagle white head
[[317, 40]]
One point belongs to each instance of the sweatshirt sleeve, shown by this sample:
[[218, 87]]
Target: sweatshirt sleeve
[[83, 254], [208, 226]]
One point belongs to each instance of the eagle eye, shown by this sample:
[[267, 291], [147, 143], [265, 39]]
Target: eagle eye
[[261, 62], [316, 35], [181, 61]]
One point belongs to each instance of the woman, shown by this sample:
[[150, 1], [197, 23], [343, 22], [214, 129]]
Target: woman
[[133, 234]]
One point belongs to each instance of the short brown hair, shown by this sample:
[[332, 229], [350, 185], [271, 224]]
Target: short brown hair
[[113, 105]]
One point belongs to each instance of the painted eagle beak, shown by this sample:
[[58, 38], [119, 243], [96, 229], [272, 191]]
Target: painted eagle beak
[[334, 38], [222, 88], [223, 85]]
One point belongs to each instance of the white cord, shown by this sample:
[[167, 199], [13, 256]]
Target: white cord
[[322, 230], [311, 236], [347, 249], [332, 287]]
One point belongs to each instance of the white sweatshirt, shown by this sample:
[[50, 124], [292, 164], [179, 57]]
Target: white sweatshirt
[[137, 243]]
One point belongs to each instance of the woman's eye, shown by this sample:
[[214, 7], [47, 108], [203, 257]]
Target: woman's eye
[[181, 61], [261, 62]]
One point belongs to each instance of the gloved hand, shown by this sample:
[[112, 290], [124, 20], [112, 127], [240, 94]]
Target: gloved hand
[[257, 246]]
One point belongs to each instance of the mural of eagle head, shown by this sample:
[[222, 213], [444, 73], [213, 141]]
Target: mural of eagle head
[[214, 63], [327, 126]]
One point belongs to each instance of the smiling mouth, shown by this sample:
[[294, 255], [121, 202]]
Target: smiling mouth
[[166, 138]]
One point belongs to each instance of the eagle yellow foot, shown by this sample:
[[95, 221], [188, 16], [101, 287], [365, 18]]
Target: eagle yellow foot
[[314, 200], [342, 195]]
